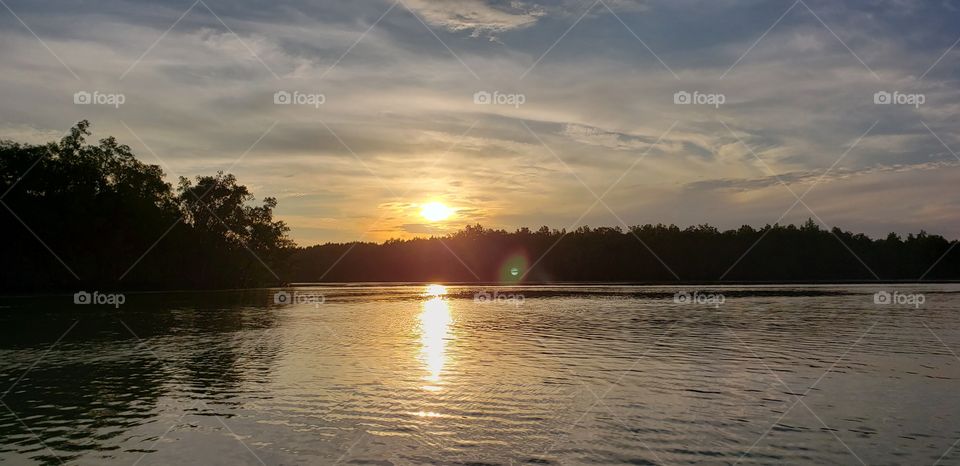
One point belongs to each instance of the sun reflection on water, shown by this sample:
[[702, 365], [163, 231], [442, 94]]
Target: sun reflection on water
[[434, 333], [435, 290]]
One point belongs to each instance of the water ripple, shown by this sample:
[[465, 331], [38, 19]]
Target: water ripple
[[404, 375]]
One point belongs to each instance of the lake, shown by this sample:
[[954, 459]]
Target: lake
[[416, 374]]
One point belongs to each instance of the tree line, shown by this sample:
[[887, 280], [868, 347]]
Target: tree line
[[79, 215], [646, 253]]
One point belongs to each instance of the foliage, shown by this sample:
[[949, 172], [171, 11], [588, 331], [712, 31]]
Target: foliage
[[647, 253], [115, 222]]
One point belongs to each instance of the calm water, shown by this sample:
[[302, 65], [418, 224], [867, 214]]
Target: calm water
[[427, 375]]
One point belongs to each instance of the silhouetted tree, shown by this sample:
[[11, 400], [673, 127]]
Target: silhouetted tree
[[642, 253], [114, 222]]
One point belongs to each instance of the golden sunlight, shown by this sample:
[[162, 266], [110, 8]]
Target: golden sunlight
[[436, 211], [435, 328], [435, 290]]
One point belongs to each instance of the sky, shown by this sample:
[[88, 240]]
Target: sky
[[355, 114]]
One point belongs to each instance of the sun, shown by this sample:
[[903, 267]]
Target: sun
[[435, 211]]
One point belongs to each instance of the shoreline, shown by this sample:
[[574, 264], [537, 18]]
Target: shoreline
[[571, 284]]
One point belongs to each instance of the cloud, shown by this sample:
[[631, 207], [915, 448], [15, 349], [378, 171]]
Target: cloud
[[405, 127], [804, 177], [423, 228], [480, 17], [603, 138]]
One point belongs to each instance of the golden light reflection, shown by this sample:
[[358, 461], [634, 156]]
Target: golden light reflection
[[434, 332], [436, 290], [428, 414]]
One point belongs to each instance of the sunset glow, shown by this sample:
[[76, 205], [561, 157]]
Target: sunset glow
[[435, 211], [480, 232]]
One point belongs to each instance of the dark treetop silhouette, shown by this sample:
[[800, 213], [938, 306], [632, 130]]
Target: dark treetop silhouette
[[102, 213], [694, 254], [115, 223]]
